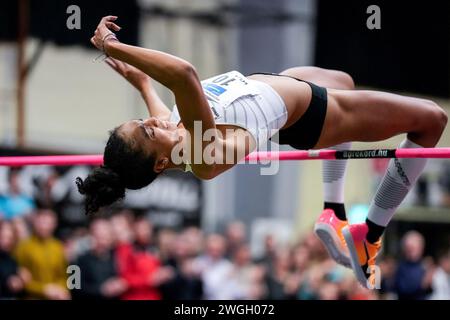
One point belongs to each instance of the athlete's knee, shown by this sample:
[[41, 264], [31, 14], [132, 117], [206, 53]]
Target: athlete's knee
[[341, 79], [344, 78], [441, 118], [436, 117], [299, 72]]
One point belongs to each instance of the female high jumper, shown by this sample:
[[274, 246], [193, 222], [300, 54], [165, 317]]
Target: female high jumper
[[228, 116]]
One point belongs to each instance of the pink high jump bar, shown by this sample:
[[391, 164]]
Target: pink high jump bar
[[69, 160]]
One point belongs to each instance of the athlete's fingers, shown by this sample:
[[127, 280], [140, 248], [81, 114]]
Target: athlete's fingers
[[111, 63], [117, 65], [113, 26], [121, 67], [108, 18]]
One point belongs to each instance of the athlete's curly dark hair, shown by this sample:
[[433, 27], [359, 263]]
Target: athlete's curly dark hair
[[124, 167]]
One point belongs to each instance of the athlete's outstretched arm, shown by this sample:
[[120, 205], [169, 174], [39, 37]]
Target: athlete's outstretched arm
[[143, 83], [176, 74]]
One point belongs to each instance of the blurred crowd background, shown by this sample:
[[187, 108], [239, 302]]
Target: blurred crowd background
[[241, 235], [121, 254]]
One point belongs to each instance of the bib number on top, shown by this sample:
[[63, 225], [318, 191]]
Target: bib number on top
[[227, 87]]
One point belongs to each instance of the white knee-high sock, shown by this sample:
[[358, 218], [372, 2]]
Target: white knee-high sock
[[333, 178], [399, 178]]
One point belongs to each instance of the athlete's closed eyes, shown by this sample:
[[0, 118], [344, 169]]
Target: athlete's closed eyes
[[149, 132]]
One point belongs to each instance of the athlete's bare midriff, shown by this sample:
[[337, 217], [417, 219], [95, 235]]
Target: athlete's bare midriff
[[297, 97], [295, 94]]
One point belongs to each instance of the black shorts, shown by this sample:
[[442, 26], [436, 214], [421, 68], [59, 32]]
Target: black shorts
[[305, 132]]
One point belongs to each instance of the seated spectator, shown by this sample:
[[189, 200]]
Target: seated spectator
[[412, 279], [139, 266], [441, 279], [43, 256], [99, 276], [12, 279], [15, 203]]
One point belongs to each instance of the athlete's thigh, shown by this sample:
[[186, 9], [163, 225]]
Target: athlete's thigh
[[368, 116], [322, 77]]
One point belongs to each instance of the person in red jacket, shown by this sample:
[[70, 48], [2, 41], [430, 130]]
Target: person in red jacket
[[139, 266]]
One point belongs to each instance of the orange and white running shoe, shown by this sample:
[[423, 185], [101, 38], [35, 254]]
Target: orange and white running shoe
[[363, 254], [329, 230]]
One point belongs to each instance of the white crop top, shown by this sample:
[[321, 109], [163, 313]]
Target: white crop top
[[247, 103]]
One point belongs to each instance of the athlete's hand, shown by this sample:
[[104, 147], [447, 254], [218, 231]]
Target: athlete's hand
[[104, 32], [136, 77]]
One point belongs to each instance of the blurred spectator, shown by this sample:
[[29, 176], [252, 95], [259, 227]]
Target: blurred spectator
[[441, 279], [65, 198], [316, 276], [12, 279], [21, 229], [195, 239], [388, 267], [99, 276], [317, 251], [235, 235], [214, 268], [300, 262], [43, 256], [15, 203], [422, 191], [277, 278], [77, 244], [328, 291], [413, 277], [245, 280], [139, 266], [186, 283], [121, 224], [355, 291], [165, 241], [268, 255], [444, 182]]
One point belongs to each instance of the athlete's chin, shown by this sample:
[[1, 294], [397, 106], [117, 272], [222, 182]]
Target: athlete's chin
[[170, 142]]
